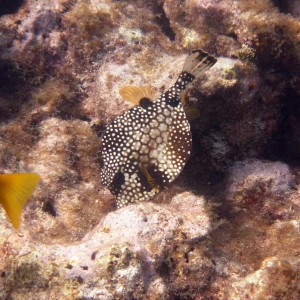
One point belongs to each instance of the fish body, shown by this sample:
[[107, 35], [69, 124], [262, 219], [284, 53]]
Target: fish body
[[15, 189], [146, 147]]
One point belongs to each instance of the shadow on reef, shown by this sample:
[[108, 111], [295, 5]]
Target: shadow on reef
[[10, 6], [232, 129], [285, 145], [282, 5], [20, 84]]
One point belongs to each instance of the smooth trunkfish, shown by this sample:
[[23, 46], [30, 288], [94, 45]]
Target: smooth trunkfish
[[146, 147]]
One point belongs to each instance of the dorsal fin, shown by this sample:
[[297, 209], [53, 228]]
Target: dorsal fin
[[134, 93]]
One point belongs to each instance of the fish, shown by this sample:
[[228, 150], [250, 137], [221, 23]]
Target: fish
[[145, 148], [15, 190]]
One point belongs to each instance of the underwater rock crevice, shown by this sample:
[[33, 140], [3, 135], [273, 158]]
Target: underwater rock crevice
[[49, 208], [285, 143], [10, 6], [282, 5], [163, 21]]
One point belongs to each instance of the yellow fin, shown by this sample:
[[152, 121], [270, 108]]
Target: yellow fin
[[134, 94], [15, 189], [151, 180]]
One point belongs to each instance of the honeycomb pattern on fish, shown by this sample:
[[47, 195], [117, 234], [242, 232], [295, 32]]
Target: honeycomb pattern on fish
[[146, 148]]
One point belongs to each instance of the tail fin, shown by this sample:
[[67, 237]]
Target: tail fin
[[198, 62], [15, 189]]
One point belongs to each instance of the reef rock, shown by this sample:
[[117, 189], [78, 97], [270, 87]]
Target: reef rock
[[228, 227], [255, 181], [276, 279], [134, 251]]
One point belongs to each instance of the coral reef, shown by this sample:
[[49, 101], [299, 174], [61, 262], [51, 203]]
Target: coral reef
[[133, 249], [228, 228]]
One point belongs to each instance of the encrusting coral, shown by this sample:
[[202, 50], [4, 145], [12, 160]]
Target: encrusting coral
[[228, 227]]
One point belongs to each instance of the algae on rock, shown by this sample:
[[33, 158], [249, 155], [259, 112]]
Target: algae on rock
[[228, 228]]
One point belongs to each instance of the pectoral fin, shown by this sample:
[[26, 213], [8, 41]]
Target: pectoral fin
[[191, 111], [154, 185]]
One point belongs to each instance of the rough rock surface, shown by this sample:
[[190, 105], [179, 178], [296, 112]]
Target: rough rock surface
[[228, 228], [132, 252]]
